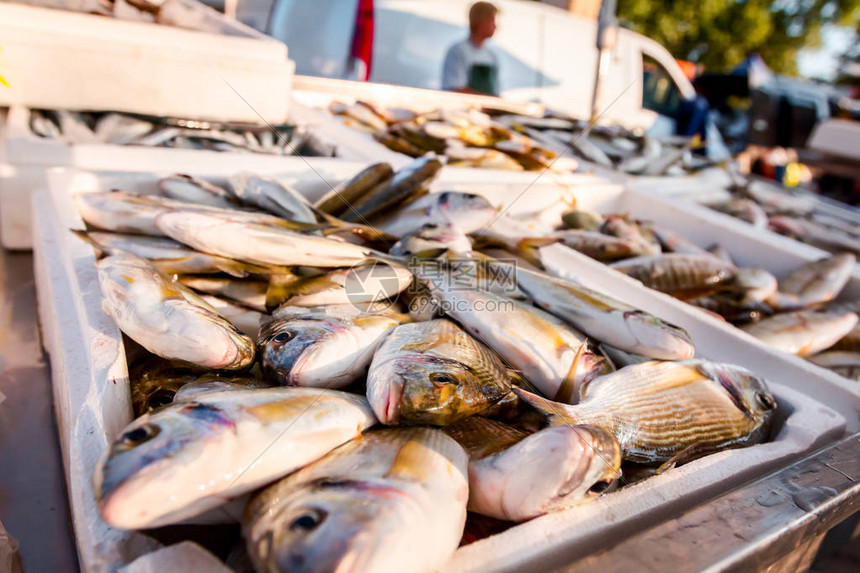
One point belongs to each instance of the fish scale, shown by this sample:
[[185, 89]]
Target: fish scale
[[657, 410]]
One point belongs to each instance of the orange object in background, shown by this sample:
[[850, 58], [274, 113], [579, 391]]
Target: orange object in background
[[689, 68]]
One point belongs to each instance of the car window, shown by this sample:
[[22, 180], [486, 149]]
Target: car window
[[660, 93]]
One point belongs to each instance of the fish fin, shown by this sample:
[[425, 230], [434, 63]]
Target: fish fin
[[232, 268], [568, 386], [528, 248], [279, 289], [557, 414], [685, 456]]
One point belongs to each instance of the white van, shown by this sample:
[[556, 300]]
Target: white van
[[545, 54]]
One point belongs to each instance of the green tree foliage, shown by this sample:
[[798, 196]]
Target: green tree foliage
[[721, 33]]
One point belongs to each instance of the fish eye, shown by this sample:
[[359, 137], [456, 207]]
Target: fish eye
[[766, 401], [307, 520], [284, 336], [441, 378], [139, 435], [470, 196]]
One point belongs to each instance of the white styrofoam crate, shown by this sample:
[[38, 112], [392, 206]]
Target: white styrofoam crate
[[27, 157], [67, 60], [91, 387]]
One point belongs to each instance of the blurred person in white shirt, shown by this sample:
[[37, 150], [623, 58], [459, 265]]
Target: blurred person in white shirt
[[470, 65]]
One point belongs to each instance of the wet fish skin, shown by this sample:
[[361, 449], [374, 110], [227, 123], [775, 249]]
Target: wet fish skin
[[390, 501], [515, 476], [643, 241], [166, 318], [365, 284], [550, 354], [803, 332], [226, 236], [670, 412], [844, 363], [123, 212], [269, 195], [814, 283], [746, 210], [596, 245], [343, 195], [248, 293], [431, 238], [605, 318], [582, 220], [326, 347], [184, 187], [756, 285], [433, 373], [468, 212], [411, 181], [682, 276], [192, 456]]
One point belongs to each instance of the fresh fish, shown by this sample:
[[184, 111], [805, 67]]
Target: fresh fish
[[484, 159], [411, 181], [515, 476], [171, 257], [671, 412], [342, 196], [123, 212], [731, 307], [746, 210], [850, 342], [468, 212], [245, 320], [248, 293], [582, 220], [192, 456], [362, 112], [641, 239], [756, 285], [547, 352], [433, 373], [390, 501], [192, 190], [675, 242], [803, 332], [120, 129], [809, 232], [271, 196], [586, 148], [325, 347], [721, 253], [844, 363], [619, 358], [366, 284], [596, 245], [168, 319], [219, 234], [606, 319], [815, 282], [682, 276], [431, 238]]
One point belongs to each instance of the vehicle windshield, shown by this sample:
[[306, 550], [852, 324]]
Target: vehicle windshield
[[660, 93]]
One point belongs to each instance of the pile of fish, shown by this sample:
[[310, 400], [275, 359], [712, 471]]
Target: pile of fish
[[793, 214], [797, 313], [115, 128], [497, 140], [373, 409]]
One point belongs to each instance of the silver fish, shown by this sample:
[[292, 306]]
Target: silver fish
[[468, 212], [803, 332], [226, 236], [390, 501], [270, 195], [192, 456], [430, 238], [168, 319], [515, 476], [844, 363], [248, 293], [756, 285], [815, 282], [325, 347], [187, 188], [358, 285], [605, 318]]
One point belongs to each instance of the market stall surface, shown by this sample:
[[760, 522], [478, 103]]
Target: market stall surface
[[33, 505]]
